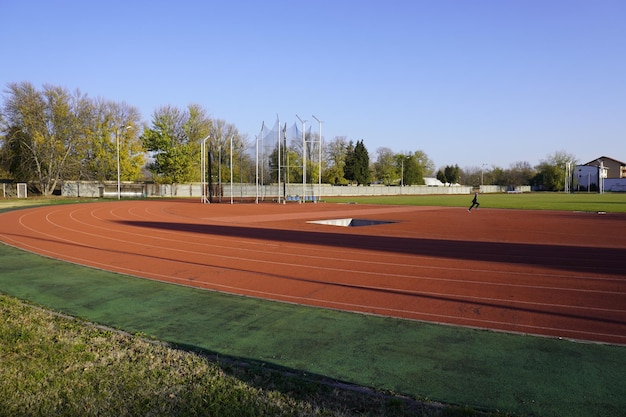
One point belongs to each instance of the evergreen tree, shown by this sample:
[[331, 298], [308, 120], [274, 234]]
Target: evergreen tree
[[362, 174], [349, 167], [450, 174]]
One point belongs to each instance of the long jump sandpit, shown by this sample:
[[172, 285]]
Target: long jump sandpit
[[549, 273]]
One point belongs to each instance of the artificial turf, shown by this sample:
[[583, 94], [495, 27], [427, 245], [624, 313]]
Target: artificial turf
[[517, 374]]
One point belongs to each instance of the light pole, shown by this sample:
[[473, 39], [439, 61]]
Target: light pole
[[117, 140], [219, 171], [231, 169], [481, 173], [303, 159], [256, 172], [319, 161], [203, 156]]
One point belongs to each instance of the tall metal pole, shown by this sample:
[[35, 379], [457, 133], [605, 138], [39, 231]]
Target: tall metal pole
[[202, 176], [278, 156], [601, 176], [263, 158], [303, 159], [285, 162], [203, 170], [482, 168], [117, 141], [256, 176], [219, 171], [231, 169], [319, 161]]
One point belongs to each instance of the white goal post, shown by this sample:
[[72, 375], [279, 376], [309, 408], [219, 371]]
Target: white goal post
[[22, 190]]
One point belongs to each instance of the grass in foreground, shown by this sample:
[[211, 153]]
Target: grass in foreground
[[55, 365]]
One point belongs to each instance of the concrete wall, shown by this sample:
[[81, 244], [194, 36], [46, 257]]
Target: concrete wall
[[291, 191], [296, 191], [82, 189], [504, 189], [106, 189]]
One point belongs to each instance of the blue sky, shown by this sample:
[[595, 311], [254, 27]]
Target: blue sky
[[469, 82]]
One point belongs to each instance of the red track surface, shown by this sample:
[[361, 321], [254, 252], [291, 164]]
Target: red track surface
[[548, 273]]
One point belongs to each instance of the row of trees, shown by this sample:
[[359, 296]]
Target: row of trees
[[52, 134], [548, 175]]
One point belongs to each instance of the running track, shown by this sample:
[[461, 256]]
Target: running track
[[557, 274]]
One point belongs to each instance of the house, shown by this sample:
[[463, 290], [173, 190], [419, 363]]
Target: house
[[601, 174]]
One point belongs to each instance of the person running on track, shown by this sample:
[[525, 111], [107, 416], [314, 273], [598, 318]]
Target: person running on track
[[475, 203]]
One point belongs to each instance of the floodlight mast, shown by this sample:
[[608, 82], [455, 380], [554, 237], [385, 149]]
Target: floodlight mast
[[319, 161], [117, 140], [263, 157], [482, 169], [203, 169], [303, 159], [256, 166], [231, 169], [278, 160]]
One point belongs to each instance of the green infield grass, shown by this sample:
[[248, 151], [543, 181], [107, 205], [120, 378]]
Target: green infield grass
[[590, 202]]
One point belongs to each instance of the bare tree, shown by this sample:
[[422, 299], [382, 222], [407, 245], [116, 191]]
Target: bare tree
[[113, 124], [45, 131], [336, 150]]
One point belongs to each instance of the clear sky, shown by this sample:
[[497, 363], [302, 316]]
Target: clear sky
[[469, 82]]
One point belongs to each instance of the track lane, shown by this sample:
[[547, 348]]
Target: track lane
[[278, 255]]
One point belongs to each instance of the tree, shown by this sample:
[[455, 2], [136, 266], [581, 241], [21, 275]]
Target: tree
[[44, 132], [316, 166], [551, 171], [385, 167], [414, 167], [290, 172], [174, 142], [4, 173], [349, 167], [474, 176], [441, 176], [413, 171], [294, 158], [499, 176], [450, 174], [221, 135], [426, 164], [336, 154], [357, 168], [520, 173], [113, 124]]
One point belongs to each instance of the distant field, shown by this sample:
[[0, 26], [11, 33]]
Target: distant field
[[609, 202], [10, 203], [590, 202]]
